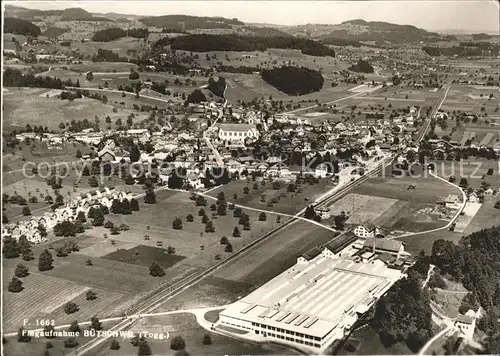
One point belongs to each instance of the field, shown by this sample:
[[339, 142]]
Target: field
[[474, 170], [365, 207], [287, 202], [411, 209], [31, 106], [467, 98], [192, 241]]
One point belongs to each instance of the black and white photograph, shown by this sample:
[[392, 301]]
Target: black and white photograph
[[250, 178]]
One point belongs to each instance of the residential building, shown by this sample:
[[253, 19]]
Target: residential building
[[366, 230]]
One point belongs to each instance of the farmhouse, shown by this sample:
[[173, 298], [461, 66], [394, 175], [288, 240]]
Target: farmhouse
[[309, 306]]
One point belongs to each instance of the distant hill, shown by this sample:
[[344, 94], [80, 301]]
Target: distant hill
[[20, 27], [361, 30], [71, 14], [364, 31], [185, 22], [78, 14]]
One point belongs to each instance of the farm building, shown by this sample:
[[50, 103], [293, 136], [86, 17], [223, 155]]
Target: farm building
[[310, 305]]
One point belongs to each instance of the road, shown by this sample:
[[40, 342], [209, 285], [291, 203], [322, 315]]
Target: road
[[164, 294], [209, 143], [443, 332], [429, 273], [433, 114]]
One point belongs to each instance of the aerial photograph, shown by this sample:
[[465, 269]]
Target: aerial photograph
[[250, 178]]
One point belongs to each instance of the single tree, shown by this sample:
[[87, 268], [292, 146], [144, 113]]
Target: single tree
[[177, 343], [236, 232], [74, 327], [90, 295], [177, 224], [229, 248], [15, 285], [45, 261], [21, 271], [70, 308], [207, 339], [95, 324], [155, 270], [115, 345], [262, 216]]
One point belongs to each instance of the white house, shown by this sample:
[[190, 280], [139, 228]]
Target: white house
[[237, 133], [321, 170], [466, 324], [366, 230]]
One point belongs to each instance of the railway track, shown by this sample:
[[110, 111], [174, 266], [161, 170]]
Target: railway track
[[169, 292]]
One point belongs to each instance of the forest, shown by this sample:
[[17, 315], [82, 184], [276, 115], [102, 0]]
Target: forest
[[475, 262], [361, 67], [15, 78], [294, 80], [20, 27], [209, 43], [114, 33], [403, 314], [217, 86]]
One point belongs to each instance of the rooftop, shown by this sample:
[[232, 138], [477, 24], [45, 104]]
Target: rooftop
[[317, 297], [237, 127]]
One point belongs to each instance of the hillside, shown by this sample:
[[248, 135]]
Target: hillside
[[20, 27], [185, 22]]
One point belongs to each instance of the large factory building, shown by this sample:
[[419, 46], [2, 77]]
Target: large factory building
[[310, 305]]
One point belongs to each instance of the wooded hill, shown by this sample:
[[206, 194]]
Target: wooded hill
[[185, 22], [20, 27], [236, 43]]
